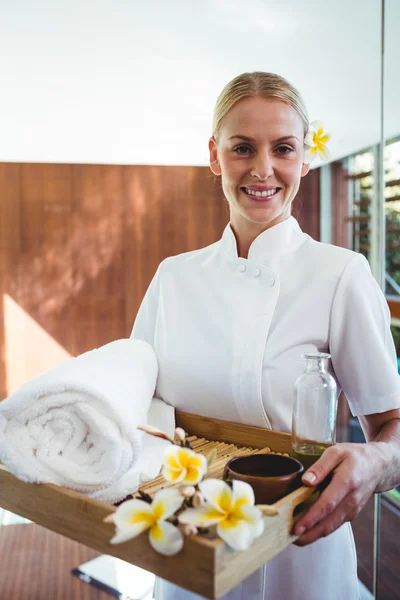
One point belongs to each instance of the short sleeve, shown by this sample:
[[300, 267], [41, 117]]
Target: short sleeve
[[145, 323], [361, 343]]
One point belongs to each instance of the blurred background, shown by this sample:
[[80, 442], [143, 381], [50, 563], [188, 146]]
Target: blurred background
[[105, 115]]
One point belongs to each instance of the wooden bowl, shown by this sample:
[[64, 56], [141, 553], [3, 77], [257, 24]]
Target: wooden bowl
[[270, 475]]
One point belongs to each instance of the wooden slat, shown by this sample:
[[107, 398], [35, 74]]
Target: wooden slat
[[361, 232], [390, 229], [359, 175], [392, 182], [363, 202], [359, 219], [224, 452], [225, 431]]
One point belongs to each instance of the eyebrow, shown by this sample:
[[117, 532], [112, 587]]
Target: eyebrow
[[279, 140]]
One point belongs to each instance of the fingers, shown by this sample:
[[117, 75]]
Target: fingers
[[323, 528], [347, 510], [328, 461], [330, 498], [341, 501], [349, 478]]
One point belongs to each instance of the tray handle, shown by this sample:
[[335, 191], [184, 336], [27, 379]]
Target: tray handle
[[298, 501]]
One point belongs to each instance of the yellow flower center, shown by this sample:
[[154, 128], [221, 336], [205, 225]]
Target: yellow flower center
[[139, 517], [231, 520], [158, 511], [319, 139]]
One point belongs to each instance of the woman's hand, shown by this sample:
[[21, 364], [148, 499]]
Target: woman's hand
[[356, 473]]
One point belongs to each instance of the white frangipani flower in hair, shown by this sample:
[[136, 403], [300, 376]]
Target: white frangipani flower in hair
[[315, 142]]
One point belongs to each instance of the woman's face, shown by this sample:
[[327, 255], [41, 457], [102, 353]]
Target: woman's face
[[259, 155]]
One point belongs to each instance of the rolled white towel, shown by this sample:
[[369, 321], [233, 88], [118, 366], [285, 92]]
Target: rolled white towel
[[76, 426]]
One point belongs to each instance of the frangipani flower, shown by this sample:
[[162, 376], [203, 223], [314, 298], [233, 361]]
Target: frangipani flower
[[238, 521], [182, 465], [135, 516], [315, 141]]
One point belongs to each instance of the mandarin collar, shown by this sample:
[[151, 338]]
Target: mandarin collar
[[271, 243]]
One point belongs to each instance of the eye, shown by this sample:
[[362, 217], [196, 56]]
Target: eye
[[243, 150], [284, 150]]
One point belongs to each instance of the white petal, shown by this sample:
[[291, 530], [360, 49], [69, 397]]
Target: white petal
[[237, 536], [254, 518], [127, 533], [166, 502], [166, 538], [324, 153], [199, 461], [171, 459], [218, 493], [242, 494], [202, 517], [308, 140], [317, 125], [131, 512], [308, 156]]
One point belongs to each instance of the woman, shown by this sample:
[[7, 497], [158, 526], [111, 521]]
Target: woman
[[230, 323]]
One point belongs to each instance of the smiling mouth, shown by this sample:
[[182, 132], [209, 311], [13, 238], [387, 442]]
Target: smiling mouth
[[261, 193]]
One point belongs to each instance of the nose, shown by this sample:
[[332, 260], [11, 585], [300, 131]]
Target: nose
[[262, 166]]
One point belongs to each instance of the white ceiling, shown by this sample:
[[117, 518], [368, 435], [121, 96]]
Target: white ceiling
[[133, 82]]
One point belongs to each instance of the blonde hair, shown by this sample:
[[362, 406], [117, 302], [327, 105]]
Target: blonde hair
[[260, 84]]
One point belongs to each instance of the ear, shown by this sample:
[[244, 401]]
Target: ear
[[305, 169], [214, 163]]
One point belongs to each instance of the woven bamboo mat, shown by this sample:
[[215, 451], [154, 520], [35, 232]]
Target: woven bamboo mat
[[224, 453]]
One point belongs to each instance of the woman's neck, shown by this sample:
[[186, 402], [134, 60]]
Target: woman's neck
[[246, 233]]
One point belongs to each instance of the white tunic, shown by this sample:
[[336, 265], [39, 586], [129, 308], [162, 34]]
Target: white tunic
[[229, 334]]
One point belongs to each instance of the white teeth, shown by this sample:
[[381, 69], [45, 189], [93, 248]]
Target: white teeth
[[263, 194]]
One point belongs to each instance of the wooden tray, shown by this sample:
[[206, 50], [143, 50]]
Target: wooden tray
[[205, 566]]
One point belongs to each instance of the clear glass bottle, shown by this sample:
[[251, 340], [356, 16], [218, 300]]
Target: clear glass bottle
[[314, 410]]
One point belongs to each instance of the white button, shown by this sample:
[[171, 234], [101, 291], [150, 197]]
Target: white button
[[272, 281], [256, 272], [241, 268]]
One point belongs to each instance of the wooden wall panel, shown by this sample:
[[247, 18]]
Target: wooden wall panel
[[394, 307], [80, 244], [169, 210], [9, 251], [306, 207], [340, 205], [45, 210], [96, 248]]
